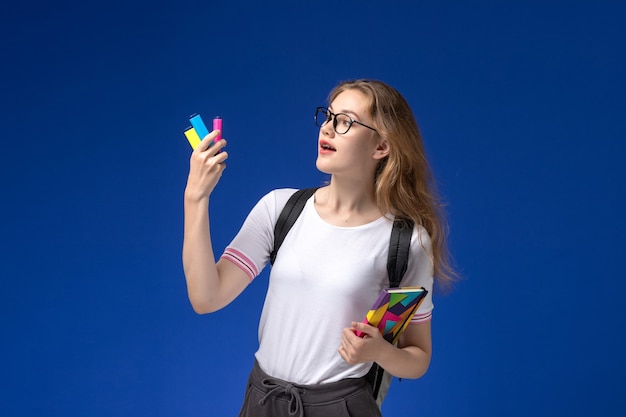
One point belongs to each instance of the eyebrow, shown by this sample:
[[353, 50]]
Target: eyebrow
[[349, 112]]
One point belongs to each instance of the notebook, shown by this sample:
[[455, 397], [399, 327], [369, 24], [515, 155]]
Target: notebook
[[393, 309]]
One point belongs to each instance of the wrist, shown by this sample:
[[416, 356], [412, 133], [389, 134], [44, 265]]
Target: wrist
[[385, 352], [194, 197]]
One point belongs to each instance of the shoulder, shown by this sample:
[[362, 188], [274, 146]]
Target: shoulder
[[274, 201], [422, 252], [279, 196], [421, 239]]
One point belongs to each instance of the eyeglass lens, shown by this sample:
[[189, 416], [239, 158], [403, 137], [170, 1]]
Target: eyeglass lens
[[341, 122]]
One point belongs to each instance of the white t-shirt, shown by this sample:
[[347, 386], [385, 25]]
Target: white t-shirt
[[324, 278]]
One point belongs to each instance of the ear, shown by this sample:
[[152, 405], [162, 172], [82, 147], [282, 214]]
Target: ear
[[382, 150]]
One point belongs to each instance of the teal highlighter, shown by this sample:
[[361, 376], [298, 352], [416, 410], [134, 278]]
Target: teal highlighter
[[199, 126]]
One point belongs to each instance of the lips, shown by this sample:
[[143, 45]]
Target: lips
[[325, 146]]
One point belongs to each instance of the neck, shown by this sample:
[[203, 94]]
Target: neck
[[350, 195], [347, 203]]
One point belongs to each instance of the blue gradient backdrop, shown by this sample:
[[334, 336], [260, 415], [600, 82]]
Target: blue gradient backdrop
[[522, 109]]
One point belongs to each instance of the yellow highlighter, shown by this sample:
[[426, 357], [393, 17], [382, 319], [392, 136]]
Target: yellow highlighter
[[192, 137]]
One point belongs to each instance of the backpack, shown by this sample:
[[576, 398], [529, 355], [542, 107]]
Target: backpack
[[397, 260]]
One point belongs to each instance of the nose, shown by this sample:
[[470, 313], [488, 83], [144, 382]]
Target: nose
[[327, 128]]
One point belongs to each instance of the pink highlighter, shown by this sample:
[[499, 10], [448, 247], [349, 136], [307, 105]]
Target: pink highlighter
[[217, 125]]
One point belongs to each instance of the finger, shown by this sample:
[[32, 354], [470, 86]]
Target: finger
[[346, 352], [342, 353], [207, 141], [364, 328], [218, 146], [216, 149], [347, 355], [349, 336]]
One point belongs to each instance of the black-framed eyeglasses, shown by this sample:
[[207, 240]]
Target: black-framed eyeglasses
[[341, 121]]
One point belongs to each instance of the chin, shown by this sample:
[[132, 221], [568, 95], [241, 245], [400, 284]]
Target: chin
[[322, 167]]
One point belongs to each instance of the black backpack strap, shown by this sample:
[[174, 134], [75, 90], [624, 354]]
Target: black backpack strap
[[288, 217], [374, 377], [397, 262], [399, 247]]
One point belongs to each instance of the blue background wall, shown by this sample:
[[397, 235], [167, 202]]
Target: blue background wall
[[521, 106]]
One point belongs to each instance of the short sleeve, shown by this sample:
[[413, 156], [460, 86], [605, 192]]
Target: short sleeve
[[420, 271], [251, 247]]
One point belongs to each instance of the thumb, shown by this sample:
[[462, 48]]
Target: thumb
[[364, 328]]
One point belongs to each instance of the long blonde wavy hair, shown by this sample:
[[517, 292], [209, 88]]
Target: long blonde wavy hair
[[404, 184]]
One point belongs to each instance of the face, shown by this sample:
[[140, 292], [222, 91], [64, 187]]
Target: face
[[356, 152]]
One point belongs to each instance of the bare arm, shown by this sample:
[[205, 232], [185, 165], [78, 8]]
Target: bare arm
[[409, 360], [210, 285]]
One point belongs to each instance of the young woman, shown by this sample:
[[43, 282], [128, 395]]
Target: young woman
[[332, 264]]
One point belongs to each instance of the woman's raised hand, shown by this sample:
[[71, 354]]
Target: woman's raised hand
[[205, 167]]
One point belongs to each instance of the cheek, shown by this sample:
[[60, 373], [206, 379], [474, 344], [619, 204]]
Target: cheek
[[365, 148]]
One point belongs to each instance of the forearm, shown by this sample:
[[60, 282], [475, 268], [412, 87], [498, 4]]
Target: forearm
[[410, 362], [198, 257]]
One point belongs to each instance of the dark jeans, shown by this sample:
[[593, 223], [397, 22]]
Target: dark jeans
[[272, 397]]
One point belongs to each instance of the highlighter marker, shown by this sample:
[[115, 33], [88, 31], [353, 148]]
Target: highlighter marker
[[192, 137], [217, 125], [360, 333], [198, 124]]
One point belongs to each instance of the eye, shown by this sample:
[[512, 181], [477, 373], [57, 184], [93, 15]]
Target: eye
[[343, 120]]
